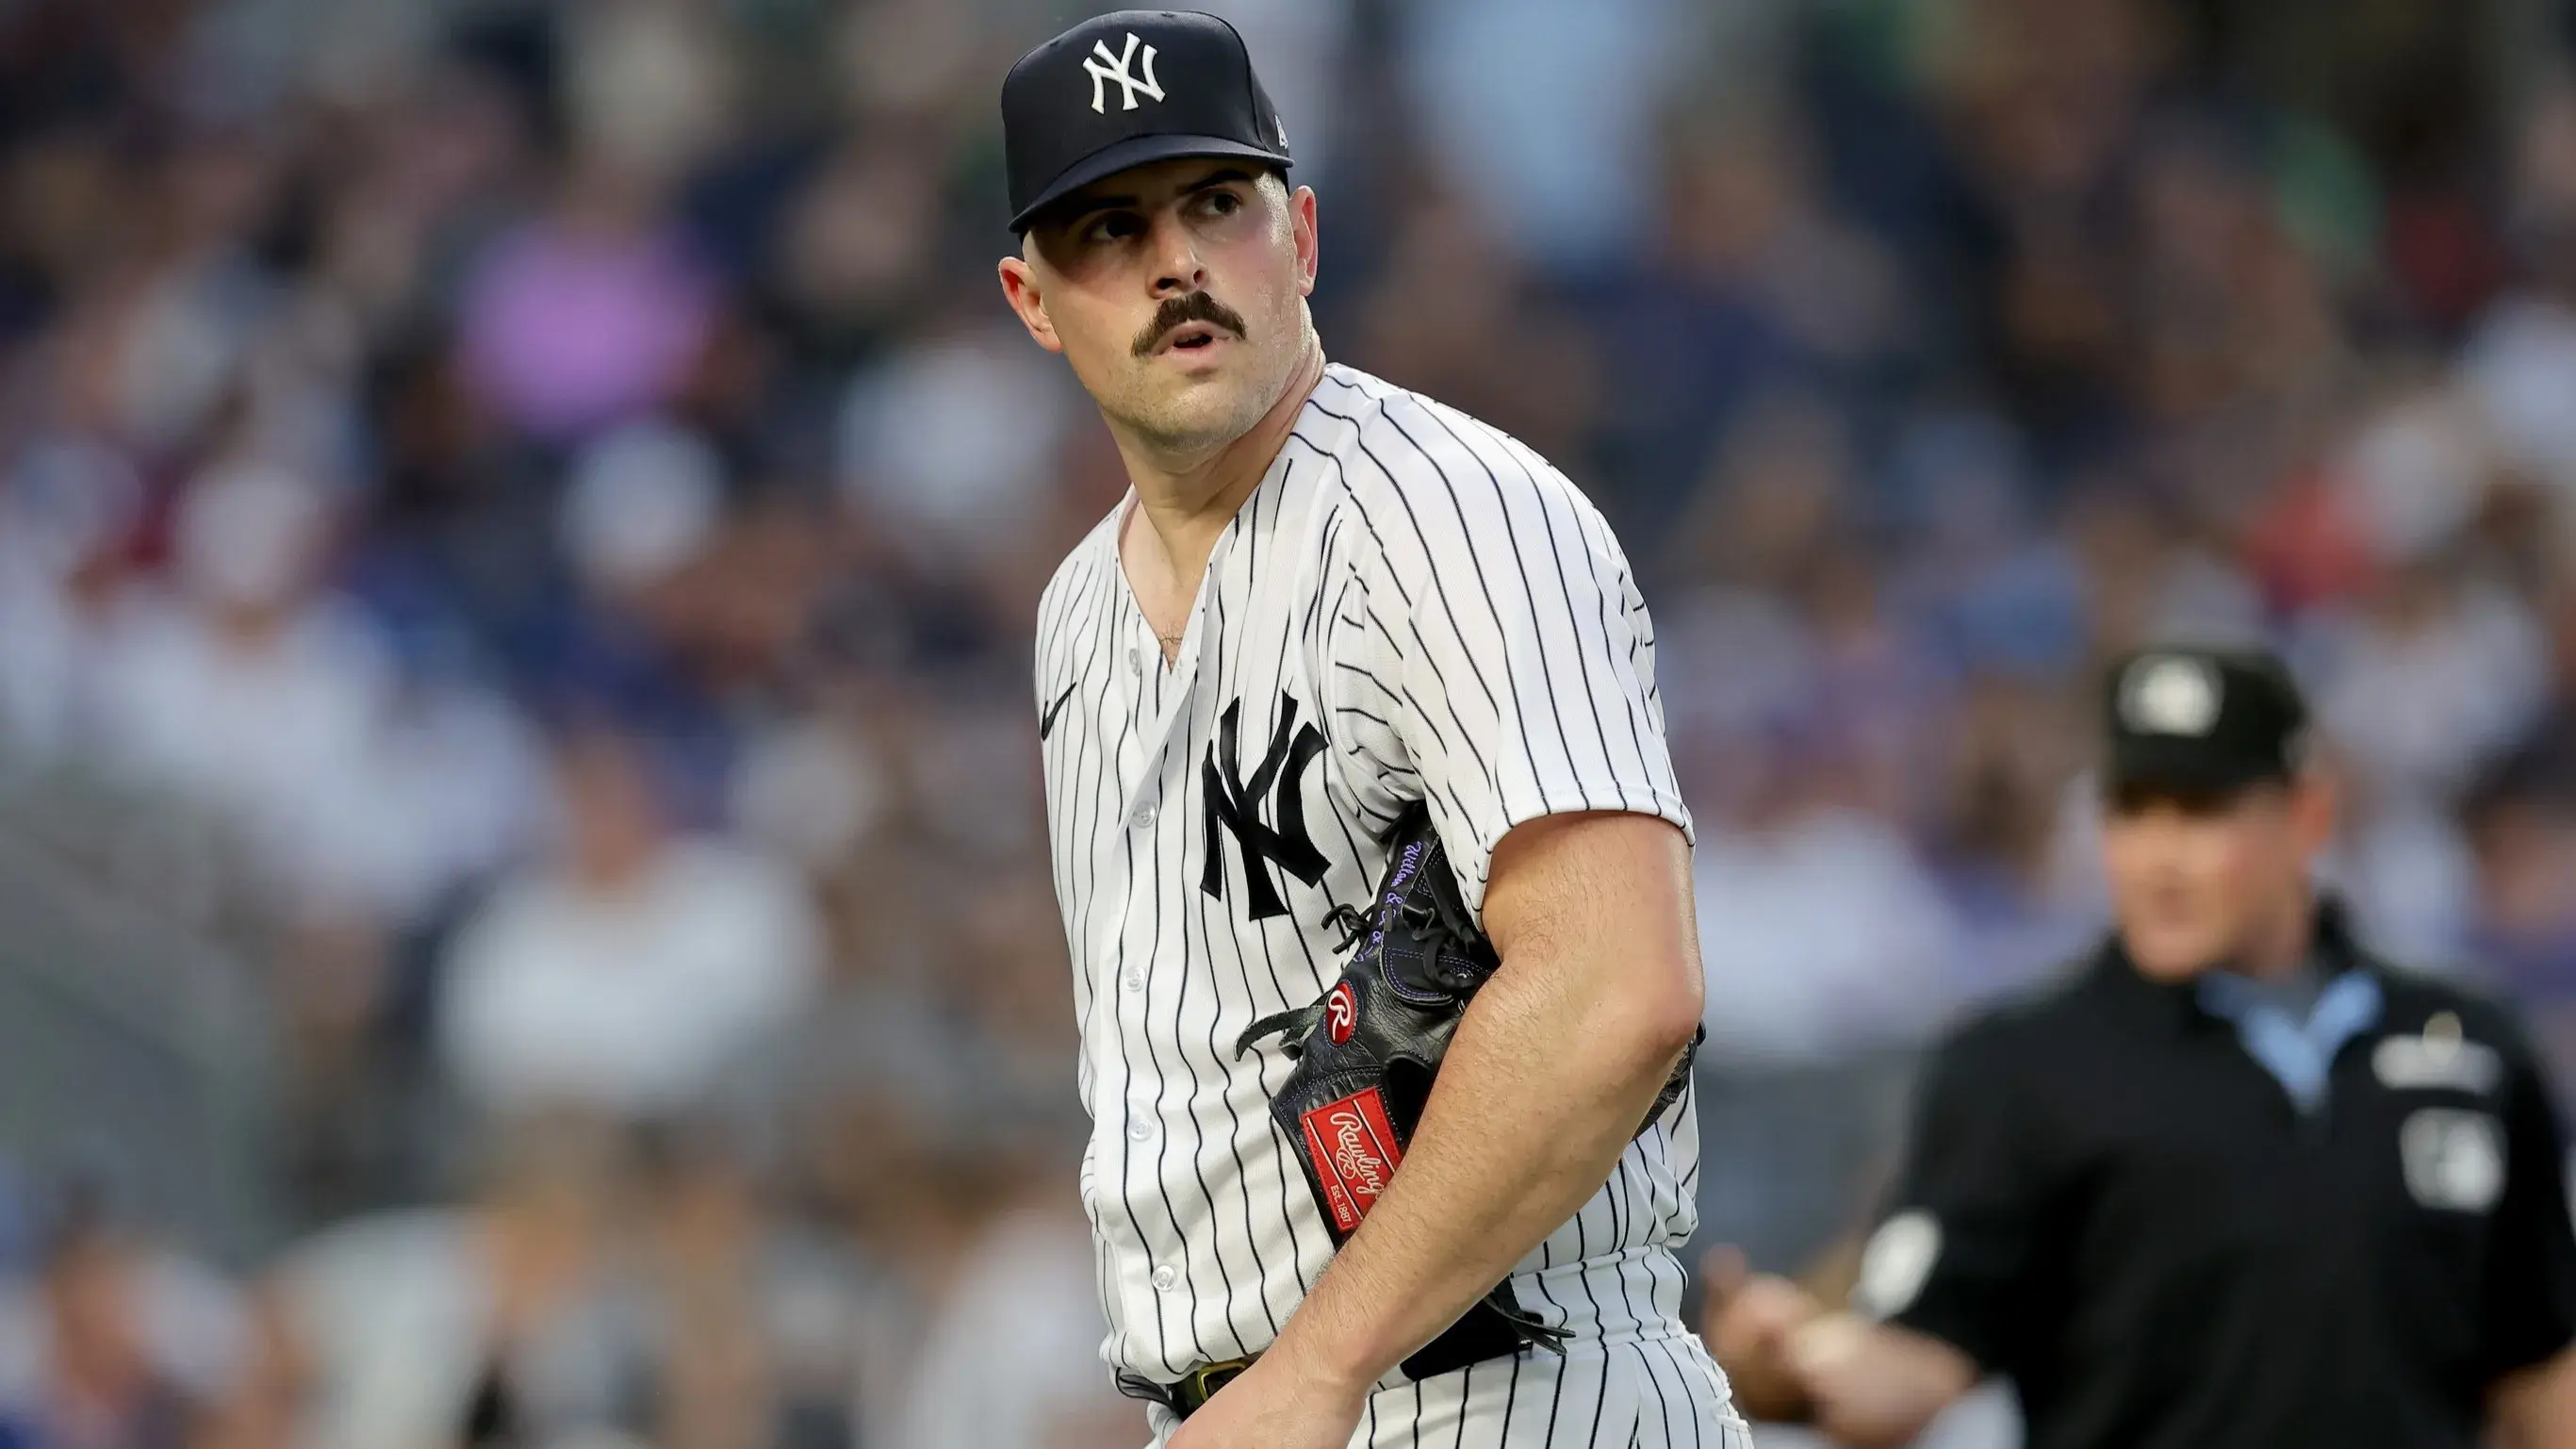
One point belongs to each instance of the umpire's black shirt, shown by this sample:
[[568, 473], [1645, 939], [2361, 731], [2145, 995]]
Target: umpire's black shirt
[[2114, 1201]]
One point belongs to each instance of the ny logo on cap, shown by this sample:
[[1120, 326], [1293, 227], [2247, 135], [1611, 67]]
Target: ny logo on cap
[[2171, 694], [1102, 67]]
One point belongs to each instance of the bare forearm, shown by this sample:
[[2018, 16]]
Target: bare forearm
[[1540, 1093], [1551, 1071]]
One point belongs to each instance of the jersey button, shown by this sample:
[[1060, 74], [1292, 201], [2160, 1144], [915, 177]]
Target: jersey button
[[1143, 817], [1135, 980], [1165, 1278], [1135, 656], [1139, 1129]]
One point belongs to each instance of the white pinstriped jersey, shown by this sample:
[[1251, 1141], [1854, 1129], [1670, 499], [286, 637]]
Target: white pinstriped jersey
[[1410, 605]]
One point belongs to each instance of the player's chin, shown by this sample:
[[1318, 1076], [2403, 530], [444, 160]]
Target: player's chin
[[1190, 401]]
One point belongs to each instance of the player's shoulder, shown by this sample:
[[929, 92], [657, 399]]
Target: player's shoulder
[[1070, 608], [1084, 564], [1397, 452]]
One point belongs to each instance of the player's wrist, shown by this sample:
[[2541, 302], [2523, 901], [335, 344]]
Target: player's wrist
[[1326, 1360]]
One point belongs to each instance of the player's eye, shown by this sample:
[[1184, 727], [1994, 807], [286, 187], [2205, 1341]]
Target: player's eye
[[1220, 202], [1113, 226]]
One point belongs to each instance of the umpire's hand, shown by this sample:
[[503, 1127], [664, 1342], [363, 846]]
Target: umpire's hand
[[1753, 1320]]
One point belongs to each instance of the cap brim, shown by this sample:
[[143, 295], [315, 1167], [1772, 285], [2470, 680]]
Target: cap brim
[[1138, 151], [2183, 767]]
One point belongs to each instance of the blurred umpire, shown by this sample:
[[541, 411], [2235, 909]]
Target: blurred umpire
[[2238, 1182]]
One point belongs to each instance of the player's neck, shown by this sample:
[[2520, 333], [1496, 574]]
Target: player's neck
[[1187, 503]]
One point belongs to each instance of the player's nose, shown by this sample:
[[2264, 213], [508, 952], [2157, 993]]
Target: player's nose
[[1177, 267]]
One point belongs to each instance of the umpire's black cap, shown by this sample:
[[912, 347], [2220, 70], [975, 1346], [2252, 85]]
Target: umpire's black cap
[[2200, 721], [1124, 89]]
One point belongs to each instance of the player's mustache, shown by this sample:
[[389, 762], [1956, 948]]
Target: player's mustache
[[1192, 307]]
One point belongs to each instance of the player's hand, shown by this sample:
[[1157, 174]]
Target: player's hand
[[1276, 1405], [1752, 1321]]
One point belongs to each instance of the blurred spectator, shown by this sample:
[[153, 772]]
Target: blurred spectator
[[634, 1287], [247, 686], [1022, 1293], [2414, 878], [118, 1343], [1304, 47], [1452, 311], [2523, 355], [491, 1324], [590, 314], [1549, 125], [642, 502], [650, 86], [851, 245], [631, 968], [759, 1331], [70, 514], [2522, 824], [1829, 949], [2009, 855], [2434, 676], [923, 453], [811, 791], [1821, 931], [1986, 589]]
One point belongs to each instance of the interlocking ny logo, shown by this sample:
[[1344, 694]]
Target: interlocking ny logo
[[1102, 66], [1235, 803]]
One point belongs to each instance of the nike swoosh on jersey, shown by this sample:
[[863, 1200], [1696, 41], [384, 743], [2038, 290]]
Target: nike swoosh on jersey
[[1046, 721]]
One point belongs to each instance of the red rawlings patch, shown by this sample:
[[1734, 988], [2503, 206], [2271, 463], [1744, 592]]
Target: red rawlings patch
[[1355, 1154], [1341, 1012]]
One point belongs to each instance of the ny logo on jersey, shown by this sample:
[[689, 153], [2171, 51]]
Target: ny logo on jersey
[[1104, 67], [1235, 803]]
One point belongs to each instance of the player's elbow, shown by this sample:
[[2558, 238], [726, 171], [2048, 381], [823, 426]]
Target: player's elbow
[[1668, 1016], [1593, 910], [1657, 1014]]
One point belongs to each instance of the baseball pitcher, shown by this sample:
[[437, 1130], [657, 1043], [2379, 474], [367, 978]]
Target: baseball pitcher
[[1373, 872]]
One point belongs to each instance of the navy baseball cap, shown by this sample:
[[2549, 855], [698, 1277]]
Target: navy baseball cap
[[2197, 721], [1125, 89]]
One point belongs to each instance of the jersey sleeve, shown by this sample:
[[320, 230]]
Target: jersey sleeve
[[1953, 1258], [2531, 1287], [1507, 644]]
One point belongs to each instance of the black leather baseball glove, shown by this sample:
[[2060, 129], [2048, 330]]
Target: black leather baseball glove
[[1366, 1055]]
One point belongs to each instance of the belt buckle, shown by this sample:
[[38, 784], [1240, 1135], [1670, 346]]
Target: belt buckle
[[1201, 1384]]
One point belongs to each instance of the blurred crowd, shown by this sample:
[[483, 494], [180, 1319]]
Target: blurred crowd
[[557, 485]]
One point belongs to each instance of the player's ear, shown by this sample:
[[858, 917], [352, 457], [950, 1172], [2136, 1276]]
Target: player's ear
[[1301, 220], [1020, 289]]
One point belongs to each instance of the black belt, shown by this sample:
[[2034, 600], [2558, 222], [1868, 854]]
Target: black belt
[[1193, 1391], [1452, 1350]]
